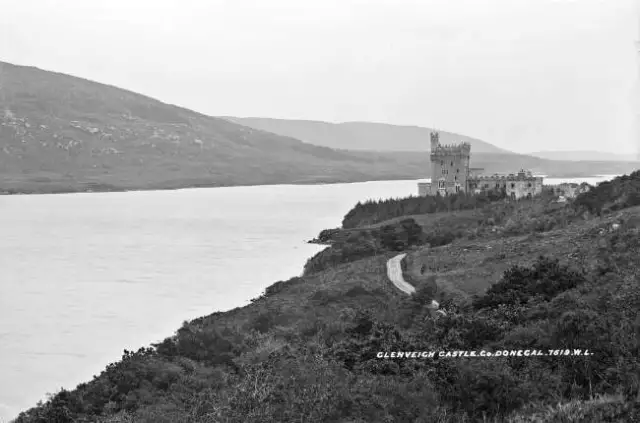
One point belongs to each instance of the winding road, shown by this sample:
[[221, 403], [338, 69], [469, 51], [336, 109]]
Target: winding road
[[394, 273]]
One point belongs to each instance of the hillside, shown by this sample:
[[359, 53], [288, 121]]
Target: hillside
[[579, 155], [526, 275], [362, 135], [61, 133]]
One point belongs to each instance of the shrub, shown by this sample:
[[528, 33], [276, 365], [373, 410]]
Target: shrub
[[546, 278]]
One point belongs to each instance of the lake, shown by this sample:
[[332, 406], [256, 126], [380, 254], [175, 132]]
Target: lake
[[85, 276]]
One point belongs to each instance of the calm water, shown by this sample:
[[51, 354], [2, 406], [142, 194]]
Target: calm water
[[84, 276]]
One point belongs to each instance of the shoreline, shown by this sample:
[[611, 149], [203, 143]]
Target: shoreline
[[5, 192], [107, 189]]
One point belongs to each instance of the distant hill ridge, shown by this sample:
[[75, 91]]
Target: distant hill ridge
[[582, 155], [363, 135]]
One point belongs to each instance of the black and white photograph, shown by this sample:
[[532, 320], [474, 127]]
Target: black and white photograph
[[301, 211]]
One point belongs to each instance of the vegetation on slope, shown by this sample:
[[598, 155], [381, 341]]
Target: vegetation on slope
[[60, 133], [306, 350], [376, 211], [619, 193], [357, 244], [616, 194]]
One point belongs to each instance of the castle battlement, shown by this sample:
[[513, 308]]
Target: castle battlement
[[510, 177], [437, 149], [452, 149], [520, 176]]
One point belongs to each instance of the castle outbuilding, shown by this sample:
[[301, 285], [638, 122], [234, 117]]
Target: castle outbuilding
[[520, 185]]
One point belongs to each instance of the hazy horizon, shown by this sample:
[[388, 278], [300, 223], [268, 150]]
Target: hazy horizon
[[524, 75]]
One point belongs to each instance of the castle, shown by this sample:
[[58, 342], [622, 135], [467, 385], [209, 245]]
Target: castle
[[449, 166], [451, 174]]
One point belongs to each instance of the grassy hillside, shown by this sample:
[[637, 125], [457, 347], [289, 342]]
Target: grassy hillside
[[62, 133], [307, 349]]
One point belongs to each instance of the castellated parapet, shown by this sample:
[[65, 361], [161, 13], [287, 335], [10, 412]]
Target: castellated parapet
[[510, 177], [462, 149]]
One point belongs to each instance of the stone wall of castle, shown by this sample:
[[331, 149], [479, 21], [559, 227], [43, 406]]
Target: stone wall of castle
[[520, 185], [521, 188], [449, 167], [424, 189]]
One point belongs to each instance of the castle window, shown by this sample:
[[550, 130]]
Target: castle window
[[457, 188], [441, 162], [451, 164], [455, 178], [457, 170], [513, 185], [529, 184], [441, 184], [498, 185]]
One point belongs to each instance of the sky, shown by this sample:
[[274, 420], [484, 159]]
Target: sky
[[526, 75]]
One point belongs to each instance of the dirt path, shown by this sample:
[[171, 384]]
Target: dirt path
[[394, 273]]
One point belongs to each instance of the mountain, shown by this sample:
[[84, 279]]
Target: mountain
[[60, 133], [583, 156], [362, 135]]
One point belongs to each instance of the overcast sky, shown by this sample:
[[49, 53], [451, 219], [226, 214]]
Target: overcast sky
[[523, 74]]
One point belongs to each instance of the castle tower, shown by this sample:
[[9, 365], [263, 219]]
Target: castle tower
[[435, 141], [449, 166]]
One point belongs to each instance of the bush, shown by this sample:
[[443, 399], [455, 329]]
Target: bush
[[621, 192], [547, 278]]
